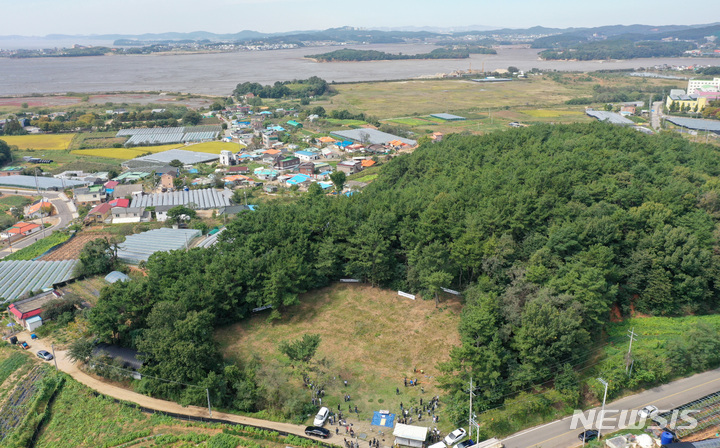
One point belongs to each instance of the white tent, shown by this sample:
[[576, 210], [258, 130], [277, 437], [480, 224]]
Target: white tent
[[408, 435]]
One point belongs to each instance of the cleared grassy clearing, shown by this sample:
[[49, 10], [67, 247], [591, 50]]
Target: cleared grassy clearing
[[48, 142], [371, 337]]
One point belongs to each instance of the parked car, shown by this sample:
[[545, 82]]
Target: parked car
[[317, 432], [465, 444], [321, 416], [455, 436], [44, 354], [587, 436], [648, 412]]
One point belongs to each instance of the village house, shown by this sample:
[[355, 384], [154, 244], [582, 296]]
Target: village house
[[307, 168], [99, 213], [122, 191], [306, 156], [238, 170], [24, 310], [269, 138], [167, 180], [350, 166], [91, 195], [286, 162], [42, 206], [121, 215], [21, 229]]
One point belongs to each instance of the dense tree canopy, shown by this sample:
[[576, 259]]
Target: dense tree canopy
[[543, 228], [5, 155]]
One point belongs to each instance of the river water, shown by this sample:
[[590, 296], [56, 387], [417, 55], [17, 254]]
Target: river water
[[219, 73]]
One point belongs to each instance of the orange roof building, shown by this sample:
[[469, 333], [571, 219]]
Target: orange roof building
[[36, 207], [367, 163], [326, 140], [23, 228], [272, 152]]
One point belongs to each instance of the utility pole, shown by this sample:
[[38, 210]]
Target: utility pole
[[52, 347], [628, 358], [207, 391], [602, 413]]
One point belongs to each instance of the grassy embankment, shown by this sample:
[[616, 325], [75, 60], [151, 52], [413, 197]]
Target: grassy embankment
[[39, 247]]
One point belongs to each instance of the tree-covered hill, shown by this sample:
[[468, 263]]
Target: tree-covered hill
[[545, 229]]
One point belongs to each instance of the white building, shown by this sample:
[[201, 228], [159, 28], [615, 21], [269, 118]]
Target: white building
[[704, 85], [227, 158]]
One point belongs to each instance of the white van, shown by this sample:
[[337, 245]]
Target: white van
[[321, 416]]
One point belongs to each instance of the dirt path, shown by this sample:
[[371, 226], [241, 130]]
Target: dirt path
[[120, 393]]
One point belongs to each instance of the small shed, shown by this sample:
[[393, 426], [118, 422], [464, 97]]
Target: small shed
[[411, 436], [32, 323]]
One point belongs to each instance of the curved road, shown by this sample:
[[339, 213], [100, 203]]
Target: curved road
[[64, 364], [66, 212]]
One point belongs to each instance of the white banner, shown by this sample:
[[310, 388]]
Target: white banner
[[262, 308], [450, 291], [404, 294], [349, 280]]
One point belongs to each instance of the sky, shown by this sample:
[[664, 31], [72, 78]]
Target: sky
[[84, 17]]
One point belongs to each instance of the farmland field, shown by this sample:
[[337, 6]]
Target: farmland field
[[411, 121], [213, 147], [113, 153], [80, 418], [39, 142], [71, 249], [64, 160], [549, 113]]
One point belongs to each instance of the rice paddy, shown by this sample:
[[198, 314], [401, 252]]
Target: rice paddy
[[54, 142]]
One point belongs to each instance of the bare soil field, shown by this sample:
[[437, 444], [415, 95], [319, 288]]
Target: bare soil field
[[71, 249]]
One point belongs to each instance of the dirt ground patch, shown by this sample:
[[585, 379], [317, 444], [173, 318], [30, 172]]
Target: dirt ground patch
[[71, 249]]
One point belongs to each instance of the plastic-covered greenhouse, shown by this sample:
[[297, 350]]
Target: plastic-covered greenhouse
[[20, 276], [137, 248]]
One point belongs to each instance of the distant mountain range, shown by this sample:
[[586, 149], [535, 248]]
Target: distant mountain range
[[552, 37]]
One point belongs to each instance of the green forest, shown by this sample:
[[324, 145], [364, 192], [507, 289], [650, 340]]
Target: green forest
[[546, 230], [619, 49]]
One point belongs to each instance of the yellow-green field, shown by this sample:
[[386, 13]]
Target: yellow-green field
[[112, 153], [154, 149], [548, 113], [214, 147], [44, 141]]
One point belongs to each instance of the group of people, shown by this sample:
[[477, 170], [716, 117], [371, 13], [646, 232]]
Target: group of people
[[434, 435], [374, 443]]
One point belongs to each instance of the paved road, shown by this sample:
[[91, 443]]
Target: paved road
[[67, 366], [558, 433], [656, 114], [66, 211]]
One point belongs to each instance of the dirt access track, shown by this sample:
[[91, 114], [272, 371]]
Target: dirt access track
[[67, 366], [71, 249]]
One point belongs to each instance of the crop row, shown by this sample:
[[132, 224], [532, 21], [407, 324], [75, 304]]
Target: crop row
[[16, 406]]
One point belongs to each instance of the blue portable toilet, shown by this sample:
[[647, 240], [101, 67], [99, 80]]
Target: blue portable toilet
[[666, 438]]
